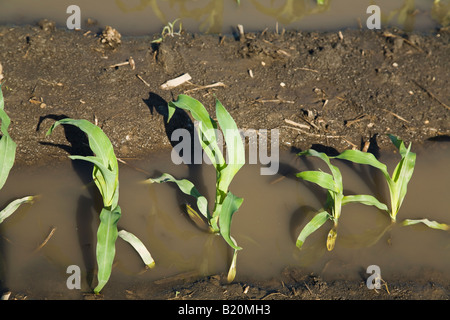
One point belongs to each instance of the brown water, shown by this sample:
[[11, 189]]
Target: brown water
[[143, 17], [266, 226]]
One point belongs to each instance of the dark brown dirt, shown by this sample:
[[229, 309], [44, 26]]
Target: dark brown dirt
[[347, 90]]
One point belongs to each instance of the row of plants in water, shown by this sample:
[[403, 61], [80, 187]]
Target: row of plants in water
[[105, 175]]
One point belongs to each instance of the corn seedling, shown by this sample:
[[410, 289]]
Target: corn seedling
[[7, 157], [106, 177], [397, 182], [335, 199], [169, 30], [226, 203]]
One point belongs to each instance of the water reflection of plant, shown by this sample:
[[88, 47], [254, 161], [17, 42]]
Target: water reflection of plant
[[141, 6], [441, 12], [292, 10], [210, 14], [406, 14]]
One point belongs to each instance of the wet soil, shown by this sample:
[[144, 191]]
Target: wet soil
[[336, 91]]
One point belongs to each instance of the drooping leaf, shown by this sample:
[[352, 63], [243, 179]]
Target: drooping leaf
[[106, 181], [106, 238], [188, 188], [428, 223], [323, 179], [138, 246], [206, 127], [235, 147], [105, 161], [365, 199], [360, 157], [337, 177], [98, 141], [13, 206], [316, 222]]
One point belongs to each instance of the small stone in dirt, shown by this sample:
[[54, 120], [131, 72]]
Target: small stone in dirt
[[111, 37], [47, 25], [1, 72], [398, 43]]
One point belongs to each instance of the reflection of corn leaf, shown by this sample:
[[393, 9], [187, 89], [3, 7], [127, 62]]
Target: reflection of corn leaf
[[143, 4], [405, 15], [441, 12], [291, 10], [138, 246]]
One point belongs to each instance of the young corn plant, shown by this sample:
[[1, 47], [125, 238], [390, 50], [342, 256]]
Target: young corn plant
[[7, 157], [335, 199], [106, 177], [397, 182], [226, 203], [169, 30]]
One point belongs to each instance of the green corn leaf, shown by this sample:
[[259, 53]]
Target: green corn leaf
[[188, 188], [206, 129], [7, 156], [7, 145], [316, 222], [98, 141], [106, 181], [399, 144], [138, 246], [323, 179], [235, 147], [106, 238], [428, 223], [233, 140], [402, 175], [230, 205], [334, 170], [365, 199], [360, 157], [13, 206], [106, 169]]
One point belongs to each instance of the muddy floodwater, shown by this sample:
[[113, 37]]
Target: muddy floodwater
[[275, 209], [133, 17]]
